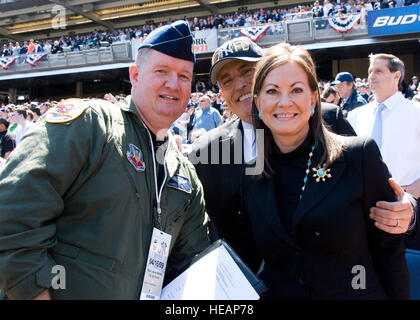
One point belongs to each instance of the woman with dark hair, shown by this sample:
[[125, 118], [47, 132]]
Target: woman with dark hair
[[309, 207]]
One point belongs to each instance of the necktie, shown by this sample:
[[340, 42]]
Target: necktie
[[377, 126]]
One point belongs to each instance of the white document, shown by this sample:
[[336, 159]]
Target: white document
[[215, 276]]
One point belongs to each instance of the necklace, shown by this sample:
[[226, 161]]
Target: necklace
[[305, 180]]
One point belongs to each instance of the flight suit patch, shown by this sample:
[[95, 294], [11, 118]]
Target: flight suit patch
[[66, 111], [135, 157], [180, 183]]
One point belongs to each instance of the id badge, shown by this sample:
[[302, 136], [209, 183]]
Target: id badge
[[156, 265]]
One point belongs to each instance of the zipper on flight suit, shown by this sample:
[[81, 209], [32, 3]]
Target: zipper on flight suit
[[158, 194]]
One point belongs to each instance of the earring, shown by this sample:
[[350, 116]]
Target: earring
[[312, 111], [259, 115]]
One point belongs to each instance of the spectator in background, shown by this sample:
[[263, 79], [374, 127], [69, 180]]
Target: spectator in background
[[210, 118], [31, 47], [20, 117], [363, 90], [30, 116], [191, 109], [344, 83], [330, 95], [10, 48], [200, 86], [38, 47], [56, 48], [214, 103], [363, 7], [392, 121], [328, 8], [5, 52], [6, 142], [4, 113], [317, 10], [44, 107], [47, 46], [227, 113], [413, 87], [16, 49], [36, 113]]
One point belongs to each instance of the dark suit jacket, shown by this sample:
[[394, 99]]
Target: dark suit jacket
[[335, 121], [221, 182], [331, 233]]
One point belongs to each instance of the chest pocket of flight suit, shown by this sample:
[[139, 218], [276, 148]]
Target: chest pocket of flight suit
[[175, 204], [134, 177]]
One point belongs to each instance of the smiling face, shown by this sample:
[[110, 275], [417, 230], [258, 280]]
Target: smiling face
[[235, 83], [161, 89], [285, 101]]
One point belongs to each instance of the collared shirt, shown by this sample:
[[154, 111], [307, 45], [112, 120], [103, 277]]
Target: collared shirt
[[250, 149], [22, 130], [400, 134], [209, 119]]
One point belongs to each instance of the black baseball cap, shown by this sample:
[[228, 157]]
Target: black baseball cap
[[241, 48]]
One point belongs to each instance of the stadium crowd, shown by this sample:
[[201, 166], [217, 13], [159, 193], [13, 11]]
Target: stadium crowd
[[206, 110], [325, 8]]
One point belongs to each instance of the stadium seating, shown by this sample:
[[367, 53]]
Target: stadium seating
[[413, 261]]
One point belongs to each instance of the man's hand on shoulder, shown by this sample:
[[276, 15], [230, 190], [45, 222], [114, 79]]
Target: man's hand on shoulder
[[393, 217]]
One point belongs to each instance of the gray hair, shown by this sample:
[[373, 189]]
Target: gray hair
[[141, 56], [394, 64]]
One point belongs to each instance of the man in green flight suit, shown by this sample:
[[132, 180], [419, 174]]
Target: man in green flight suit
[[89, 183]]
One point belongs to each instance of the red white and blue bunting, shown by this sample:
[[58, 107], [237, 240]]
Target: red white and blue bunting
[[6, 62], [32, 59], [254, 33], [343, 24]]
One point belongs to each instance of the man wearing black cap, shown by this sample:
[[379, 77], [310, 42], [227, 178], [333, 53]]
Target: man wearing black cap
[[233, 69], [93, 191], [351, 99]]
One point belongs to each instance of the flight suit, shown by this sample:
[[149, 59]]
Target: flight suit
[[81, 194]]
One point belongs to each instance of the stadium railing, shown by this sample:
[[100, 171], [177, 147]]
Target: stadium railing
[[298, 28]]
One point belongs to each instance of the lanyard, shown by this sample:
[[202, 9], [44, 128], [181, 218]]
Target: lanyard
[[158, 194]]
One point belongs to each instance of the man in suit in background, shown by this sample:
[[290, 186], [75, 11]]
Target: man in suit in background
[[221, 171]]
